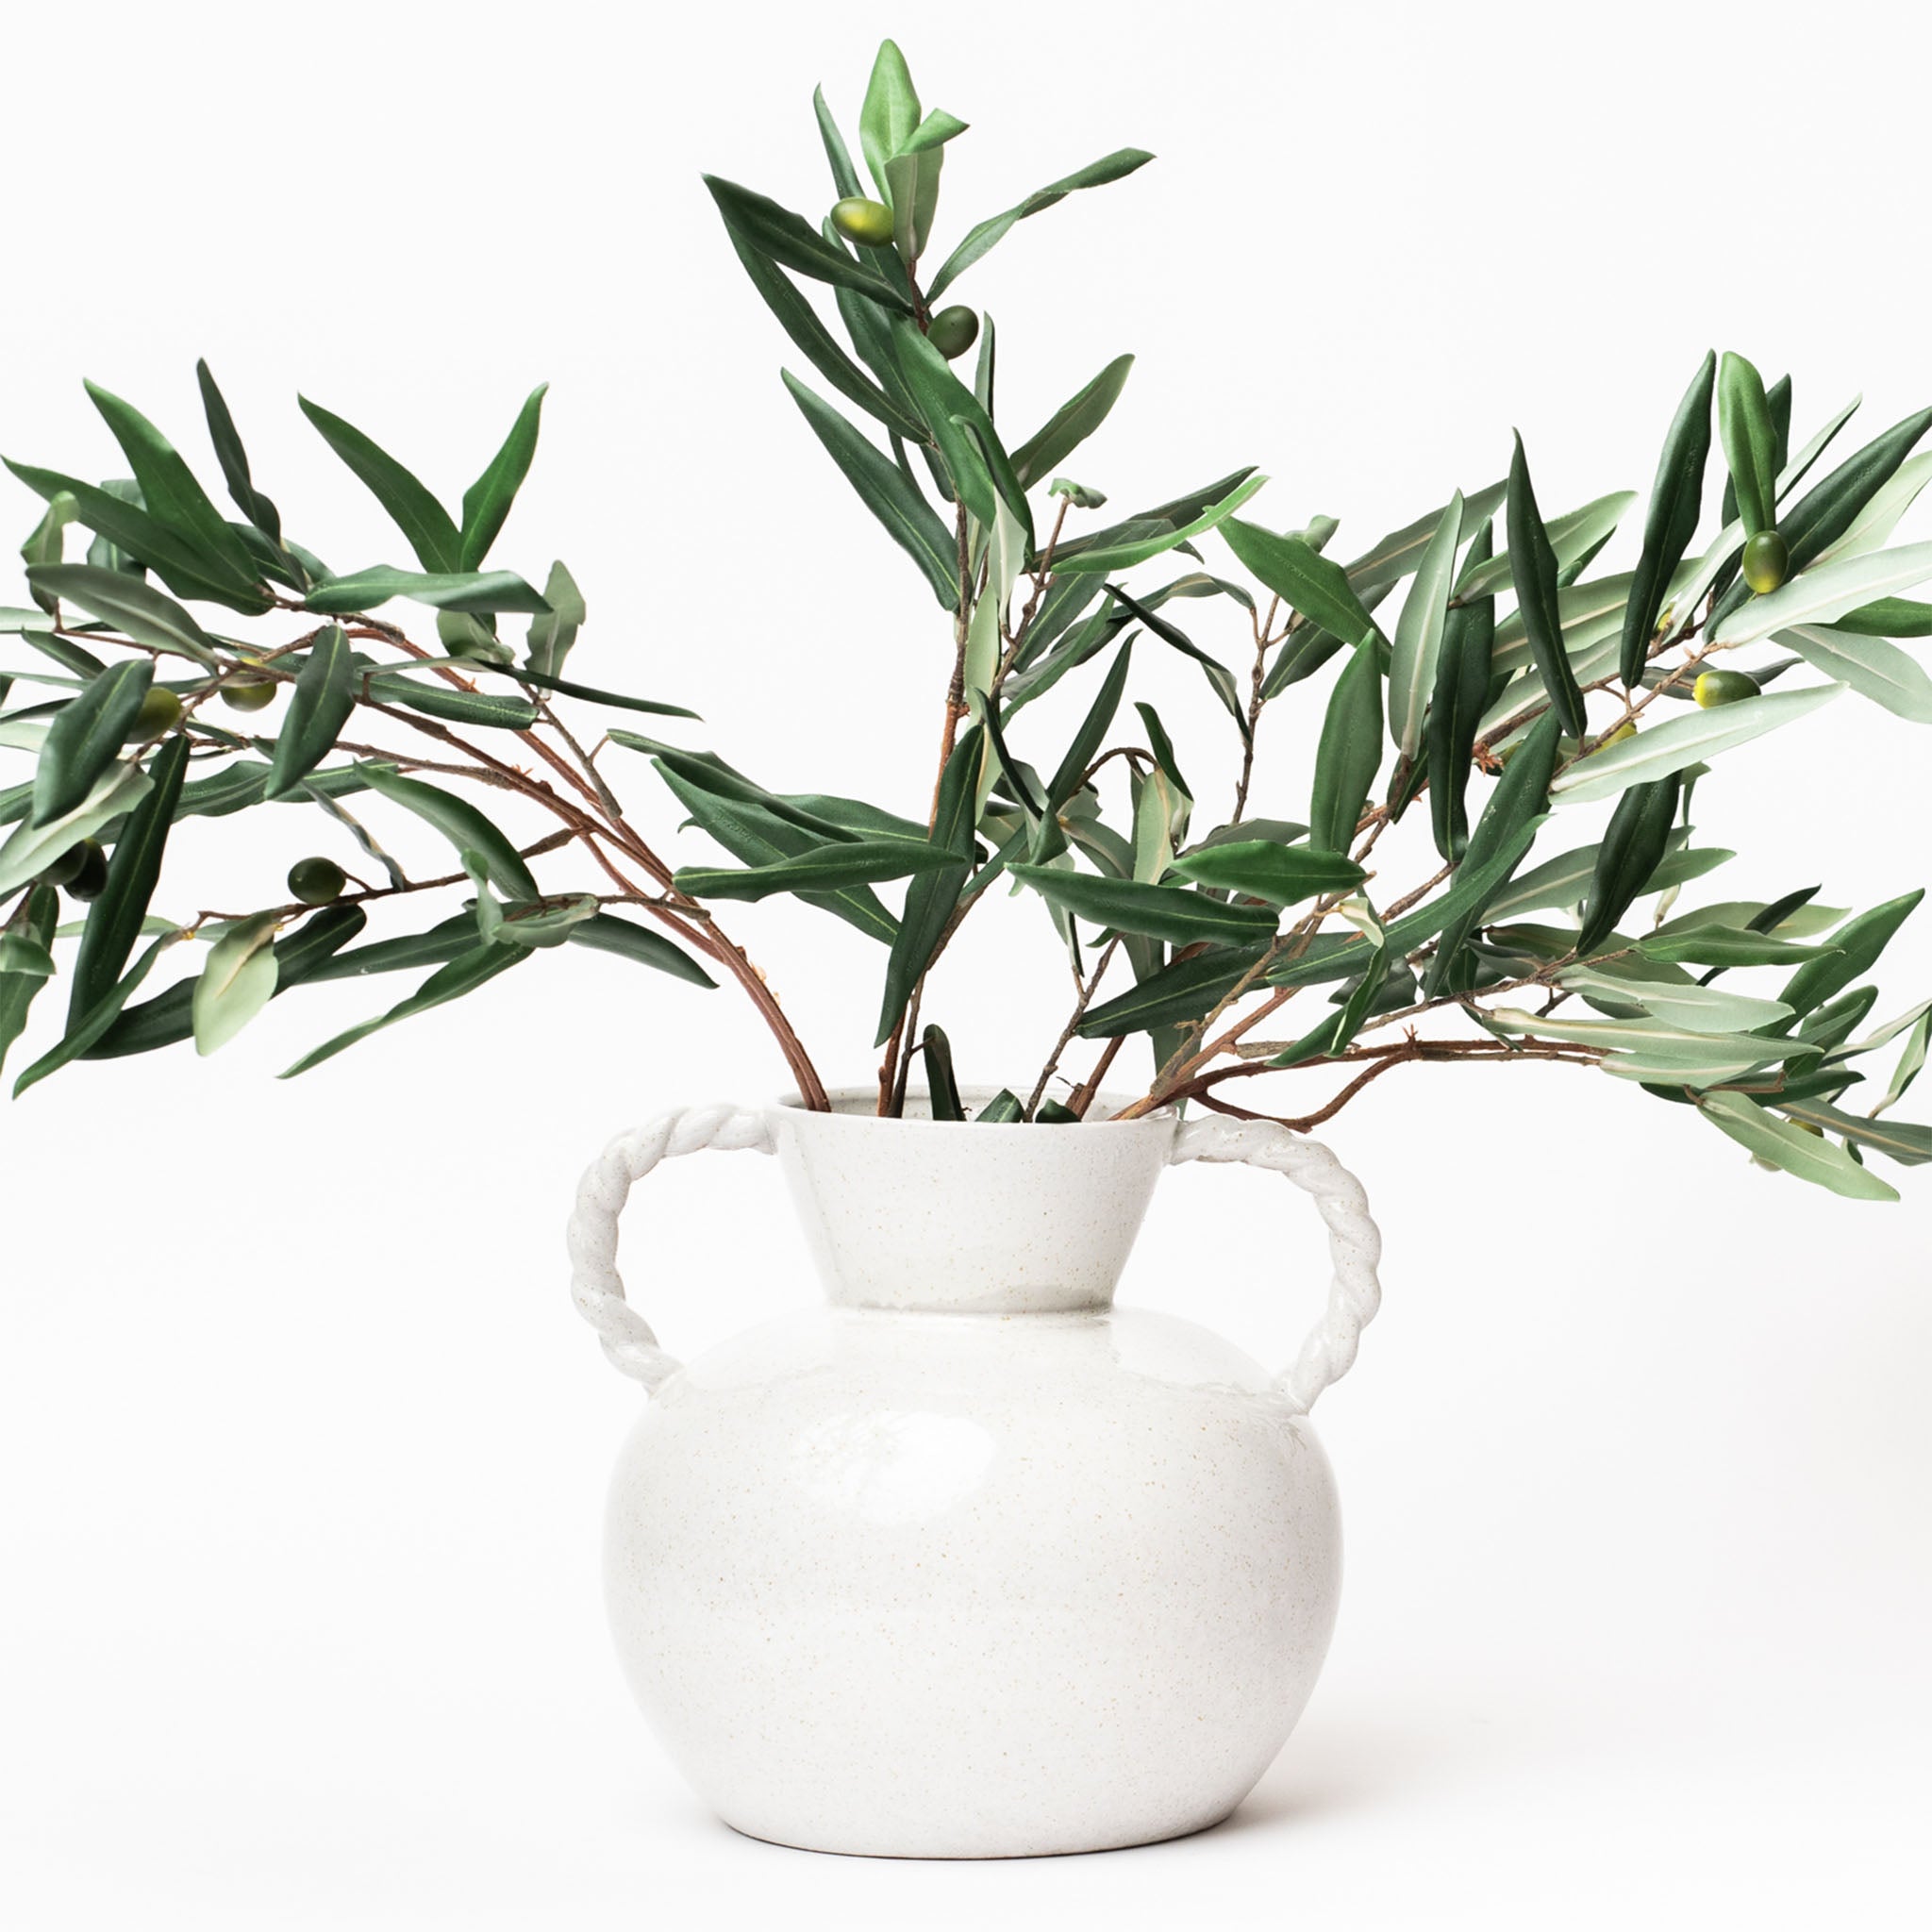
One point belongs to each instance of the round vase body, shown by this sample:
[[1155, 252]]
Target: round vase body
[[971, 1564]]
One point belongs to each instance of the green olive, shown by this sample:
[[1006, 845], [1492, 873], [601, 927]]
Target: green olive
[[861, 220], [160, 711], [953, 330], [316, 881], [248, 694], [91, 880], [1766, 561], [1626, 729], [1723, 688], [66, 867]]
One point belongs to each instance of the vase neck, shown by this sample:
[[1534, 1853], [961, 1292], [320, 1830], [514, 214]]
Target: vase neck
[[964, 1218]]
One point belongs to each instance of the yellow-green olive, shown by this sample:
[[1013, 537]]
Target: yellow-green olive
[[316, 881], [1723, 688], [91, 880], [1626, 729], [161, 710], [1767, 561], [953, 330], [248, 694], [860, 219]]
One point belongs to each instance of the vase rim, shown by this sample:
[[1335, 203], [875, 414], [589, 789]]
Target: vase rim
[[858, 1107]]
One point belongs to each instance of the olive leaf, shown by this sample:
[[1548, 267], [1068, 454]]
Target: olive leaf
[[1220, 679], [1350, 751], [238, 981], [487, 590], [436, 700], [1576, 535], [1260, 869], [487, 500], [320, 705], [31, 849], [461, 822], [1303, 579], [86, 737], [800, 321], [887, 492], [118, 918], [844, 177], [1070, 424], [1750, 440], [1331, 1035], [1417, 640], [932, 896], [169, 493], [756, 830], [1534, 576], [1833, 504], [1161, 913], [1463, 670], [1156, 532], [913, 182], [1854, 949], [1503, 834], [81, 1036], [234, 458], [1889, 617], [1789, 1147], [942, 1090], [1632, 849], [1181, 991], [604, 932], [889, 113], [428, 528], [1672, 747], [1908, 1145], [169, 1018], [140, 611], [187, 570], [1716, 944], [32, 926], [554, 631], [989, 234], [860, 861], [789, 240], [1872, 667], [464, 973], [1676, 503]]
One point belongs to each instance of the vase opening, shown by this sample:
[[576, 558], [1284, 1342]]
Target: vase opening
[[961, 1217]]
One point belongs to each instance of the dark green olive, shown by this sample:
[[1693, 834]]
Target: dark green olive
[[316, 881], [248, 694], [91, 880], [1723, 688], [67, 866], [861, 220], [161, 710], [1767, 561], [953, 330]]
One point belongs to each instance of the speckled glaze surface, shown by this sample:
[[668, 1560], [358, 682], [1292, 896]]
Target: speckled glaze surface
[[970, 1563]]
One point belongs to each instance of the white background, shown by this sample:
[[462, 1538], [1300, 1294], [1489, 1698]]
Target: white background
[[301, 1447]]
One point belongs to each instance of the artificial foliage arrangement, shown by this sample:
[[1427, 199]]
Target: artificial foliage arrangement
[[1476, 682]]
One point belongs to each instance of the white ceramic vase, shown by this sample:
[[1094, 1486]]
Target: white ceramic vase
[[970, 1563]]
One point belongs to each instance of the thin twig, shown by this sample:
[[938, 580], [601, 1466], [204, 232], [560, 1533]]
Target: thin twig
[[1081, 1002]]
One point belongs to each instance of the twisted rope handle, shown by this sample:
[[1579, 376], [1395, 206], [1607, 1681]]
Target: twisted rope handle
[[596, 1286], [1355, 1242]]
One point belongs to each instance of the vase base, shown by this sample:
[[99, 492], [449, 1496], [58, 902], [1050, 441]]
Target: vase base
[[1101, 1841]]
